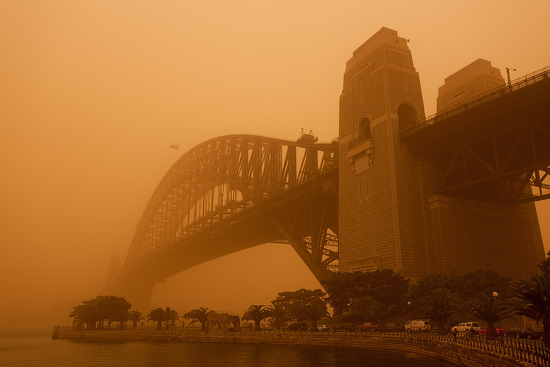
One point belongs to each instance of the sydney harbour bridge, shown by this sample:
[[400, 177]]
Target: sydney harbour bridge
[[234, 192]]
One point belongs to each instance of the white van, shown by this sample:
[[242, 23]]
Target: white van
[[464, 327], [417, 325]]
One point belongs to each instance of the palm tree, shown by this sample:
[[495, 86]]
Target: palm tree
[[544, 266], [488, 309], [135, 317], [200, 315], [157, 315], [172, 316], [256, 313], [532, 297], [439, 305], [315, 311], [277, 314]]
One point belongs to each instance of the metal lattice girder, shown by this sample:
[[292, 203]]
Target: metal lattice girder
[[312, 229], [504, 165], [495, 146], [220, 178]]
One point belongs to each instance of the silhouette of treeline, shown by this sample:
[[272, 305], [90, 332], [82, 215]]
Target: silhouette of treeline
[[377, 296]]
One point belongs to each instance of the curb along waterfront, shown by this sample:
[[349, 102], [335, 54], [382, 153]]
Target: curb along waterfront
[[463, 351]]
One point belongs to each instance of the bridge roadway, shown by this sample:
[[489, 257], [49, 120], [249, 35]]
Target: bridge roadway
[[232, 193]]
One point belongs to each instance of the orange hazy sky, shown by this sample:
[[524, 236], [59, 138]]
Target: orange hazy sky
[[93, 92]]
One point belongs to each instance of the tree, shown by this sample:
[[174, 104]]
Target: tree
[[199, 315], [341, 289], [94, 312], [135, 317], [384, 286], [532, 299], [466, 287], [86, 313], [277, 314], [157, 315], [544, 266], [439, 305], [489, 309], [172, 316], [303, 305], [368, 309], [314, 311], [430, 282], [482, 282], [256, 313], [116, 309]]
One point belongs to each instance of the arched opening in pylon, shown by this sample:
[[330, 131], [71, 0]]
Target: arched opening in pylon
[[363, 129]]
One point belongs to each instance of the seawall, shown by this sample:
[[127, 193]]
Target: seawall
[[467, 353]]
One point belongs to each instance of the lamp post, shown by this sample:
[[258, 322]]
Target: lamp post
[[497, 312], [509, 86], [409, 304]]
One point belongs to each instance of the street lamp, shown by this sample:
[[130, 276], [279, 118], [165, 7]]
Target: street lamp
[[495, 294], [509, 86]]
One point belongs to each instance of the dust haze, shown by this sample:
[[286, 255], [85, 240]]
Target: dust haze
[[93, 94]]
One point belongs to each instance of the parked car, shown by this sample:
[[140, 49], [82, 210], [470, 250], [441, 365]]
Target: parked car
[[367, 326], [417, 325], [500, 332], [322, 327], [297, 326], [344, 327], [523, 333], [466, 327]]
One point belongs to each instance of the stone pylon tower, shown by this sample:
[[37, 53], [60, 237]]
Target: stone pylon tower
[[390, 214], [381, 202]]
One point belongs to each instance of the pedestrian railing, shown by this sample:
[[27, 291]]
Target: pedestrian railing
[[531, 351]]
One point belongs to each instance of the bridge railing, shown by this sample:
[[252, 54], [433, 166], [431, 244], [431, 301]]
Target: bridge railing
[[480, 99]]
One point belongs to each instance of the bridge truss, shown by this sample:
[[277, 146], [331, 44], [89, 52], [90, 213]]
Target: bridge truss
[[234, 192], [494, 147]]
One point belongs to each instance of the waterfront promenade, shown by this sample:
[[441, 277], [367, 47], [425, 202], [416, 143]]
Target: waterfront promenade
[[463, 351]]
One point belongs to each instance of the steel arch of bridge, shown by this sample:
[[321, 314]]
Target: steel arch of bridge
[[239, 191]]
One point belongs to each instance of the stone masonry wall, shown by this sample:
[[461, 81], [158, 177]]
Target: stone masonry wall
[[390, 216]]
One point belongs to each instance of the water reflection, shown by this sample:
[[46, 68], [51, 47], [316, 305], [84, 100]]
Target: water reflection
[[42, 351]]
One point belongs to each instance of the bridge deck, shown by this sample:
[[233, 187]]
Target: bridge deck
[[529, 94]]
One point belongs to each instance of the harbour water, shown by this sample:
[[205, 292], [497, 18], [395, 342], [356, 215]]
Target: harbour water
[[33, 347]]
